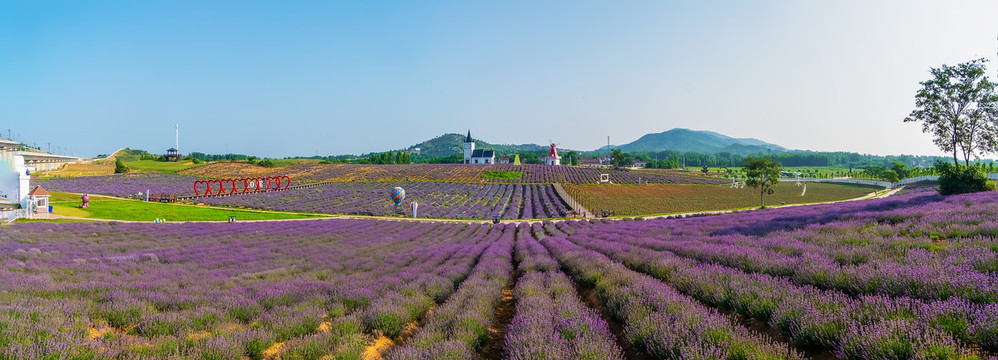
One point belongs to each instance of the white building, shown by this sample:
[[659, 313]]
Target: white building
[[552, 158], [16, 167], [14, 174], [472, 156]]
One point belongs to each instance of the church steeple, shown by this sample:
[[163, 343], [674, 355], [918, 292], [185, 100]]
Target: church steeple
[[468, 140]]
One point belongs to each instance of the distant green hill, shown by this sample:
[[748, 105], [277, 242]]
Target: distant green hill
[[451, 144], [699, 141]]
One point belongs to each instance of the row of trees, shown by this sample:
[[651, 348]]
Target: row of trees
[[390, 157]]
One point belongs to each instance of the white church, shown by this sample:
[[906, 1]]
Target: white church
[[479, 156]]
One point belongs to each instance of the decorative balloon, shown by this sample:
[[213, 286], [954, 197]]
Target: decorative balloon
[[398, 194]]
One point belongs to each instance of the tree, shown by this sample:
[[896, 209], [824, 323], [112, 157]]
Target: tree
[[958, 107], [762, 174], [119, 166], [900, 169], [620, 159]]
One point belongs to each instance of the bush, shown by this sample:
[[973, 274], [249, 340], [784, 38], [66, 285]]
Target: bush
[[502, 174], [119, 167], [267, 163], [953, 180]]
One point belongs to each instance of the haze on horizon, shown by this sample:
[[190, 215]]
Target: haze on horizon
[[287, 79]]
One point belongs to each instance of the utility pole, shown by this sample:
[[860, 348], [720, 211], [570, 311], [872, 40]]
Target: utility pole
[[178, 140]]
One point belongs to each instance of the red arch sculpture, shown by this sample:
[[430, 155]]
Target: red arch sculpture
[[254, 185]]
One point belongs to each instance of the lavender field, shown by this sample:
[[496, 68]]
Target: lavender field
[[436, 200], [123, 184], [532, 173], [914, 276]]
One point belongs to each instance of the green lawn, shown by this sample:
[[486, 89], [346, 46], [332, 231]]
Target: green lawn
[[158, 166], [134, 210]]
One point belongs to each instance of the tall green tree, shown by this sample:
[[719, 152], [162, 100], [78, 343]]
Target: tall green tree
[[620, 159], [958, 107], [762, 173]]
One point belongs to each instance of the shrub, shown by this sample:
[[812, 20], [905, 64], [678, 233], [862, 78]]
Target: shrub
[[119, 167], [267, 163], [970, 179], [502, 175]]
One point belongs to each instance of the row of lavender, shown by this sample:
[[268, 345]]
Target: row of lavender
[[436, 200], [147, 291], [906, 277], [531, 173], [124, 185]]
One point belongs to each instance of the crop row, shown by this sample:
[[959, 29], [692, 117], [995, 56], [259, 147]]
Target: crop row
[[658, 319], [139, 290], [532, 173], [134, 184], [460, 327], [435, 199], [915, 245], [865, 327], [550, 321], [647, 199]]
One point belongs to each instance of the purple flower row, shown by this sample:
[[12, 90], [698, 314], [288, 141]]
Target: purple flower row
[[810, 316], [461, 326], [122, 184], [250, 286], [657, 318], [551, 322], [436, 200]]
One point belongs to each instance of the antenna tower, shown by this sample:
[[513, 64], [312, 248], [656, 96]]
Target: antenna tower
[[178, 138]]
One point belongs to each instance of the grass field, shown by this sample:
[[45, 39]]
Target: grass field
[[67, 204], [630, 200], [158, 166]]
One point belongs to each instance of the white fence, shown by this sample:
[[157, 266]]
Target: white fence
[[885, 184], [11, 215]]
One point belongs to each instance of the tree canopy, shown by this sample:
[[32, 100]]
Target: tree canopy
[[959, 107], [762, 173]]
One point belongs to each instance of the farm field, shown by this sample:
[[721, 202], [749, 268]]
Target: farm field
[[134, 210], [435, 199], [79, 170], [128, 184], [158, 166], [440, 172], [630, 200], [910, 276]]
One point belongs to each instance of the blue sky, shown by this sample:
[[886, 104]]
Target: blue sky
[[298, 78]]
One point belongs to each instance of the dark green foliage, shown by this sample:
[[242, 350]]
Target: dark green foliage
[[119, 166], [954, 180], [621, 159], [502, 174], [267, 163], [762, 174]]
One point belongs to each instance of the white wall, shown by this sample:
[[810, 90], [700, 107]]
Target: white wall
[[14, 183]]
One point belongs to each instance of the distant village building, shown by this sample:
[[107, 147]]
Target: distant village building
[[503, 160], [601, 162], [552, 158], [640, 164], [479, 156]]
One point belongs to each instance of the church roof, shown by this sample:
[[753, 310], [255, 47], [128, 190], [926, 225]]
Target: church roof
[[468, 140], [38, 191], [478, 153]]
